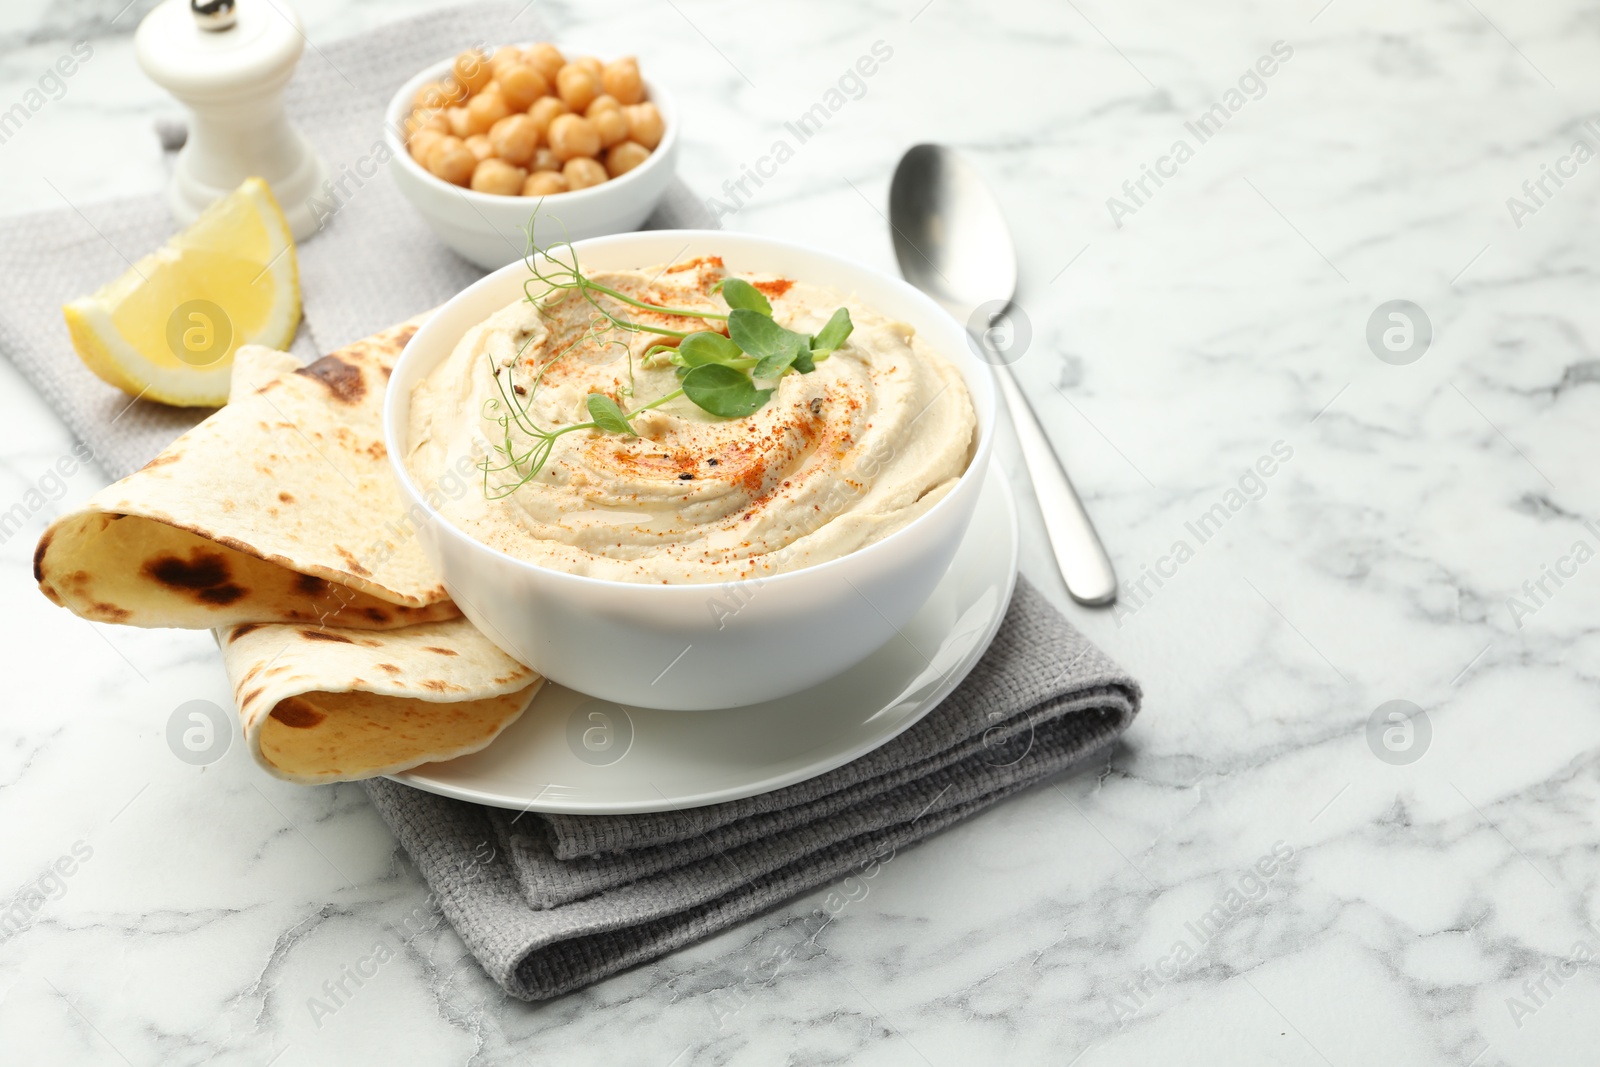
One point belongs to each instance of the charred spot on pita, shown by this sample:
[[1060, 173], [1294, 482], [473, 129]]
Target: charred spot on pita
[[202, 570], [242, 629], [38, 555], [311, 585], [350, 561], [297, 713], [324, 635], [204, 574], [343, 380]]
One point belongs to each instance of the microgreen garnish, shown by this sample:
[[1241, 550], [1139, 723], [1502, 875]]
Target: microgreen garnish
[[705, 347], [717, 371], [773, 346], [833, 334], [608, 416], [741, 294], [721, 390]]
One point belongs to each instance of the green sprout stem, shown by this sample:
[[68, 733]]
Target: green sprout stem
[[677, 312]]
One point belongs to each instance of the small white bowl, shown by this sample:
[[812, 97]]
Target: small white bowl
[[662, 646], [491, 230]]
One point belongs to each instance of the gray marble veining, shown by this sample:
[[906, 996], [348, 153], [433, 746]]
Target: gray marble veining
[[1269, 870]]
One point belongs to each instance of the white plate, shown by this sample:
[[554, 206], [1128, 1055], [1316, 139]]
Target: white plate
[[572, 753]]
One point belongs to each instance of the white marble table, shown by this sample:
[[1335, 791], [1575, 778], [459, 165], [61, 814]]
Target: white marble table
[[1244, 881]]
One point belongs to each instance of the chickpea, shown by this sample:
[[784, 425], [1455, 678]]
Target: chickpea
[[644, 124], [521, 85], [498, 177], [514, 138], [624, 157], [486, 109], [603, 102], [452, 160], [456, 118], [571, 136], [544, 159], [611, 125], [547, 60], [421, 143], [544, 183], [621, 80], [505, 56], [582, 172], [440, 94], [427, 97], [577, 86], [545, 110], [472, 70], [428, 120], [590, 64], [481, 146]]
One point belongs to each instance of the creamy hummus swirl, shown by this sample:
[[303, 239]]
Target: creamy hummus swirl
[[837, 459]]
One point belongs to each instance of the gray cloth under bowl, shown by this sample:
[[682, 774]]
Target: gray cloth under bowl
[[550, 903]]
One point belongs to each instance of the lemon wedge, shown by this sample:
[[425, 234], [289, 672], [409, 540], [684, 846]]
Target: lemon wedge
[[168, 328]]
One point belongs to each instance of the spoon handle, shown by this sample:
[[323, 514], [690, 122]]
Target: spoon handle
[[1078, 551]]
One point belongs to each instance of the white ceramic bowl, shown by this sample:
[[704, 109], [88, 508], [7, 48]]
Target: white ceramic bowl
[[490, 230], [662, 646]]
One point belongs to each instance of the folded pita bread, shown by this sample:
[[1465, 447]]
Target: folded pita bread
[[277, 523], [278, 508], [330, 705]]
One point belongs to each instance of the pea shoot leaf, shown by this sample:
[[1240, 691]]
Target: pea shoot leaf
[[608, 416], [759, 336], [741, 294], [833, 334], [704, 347], [723, 391], [774, 365]]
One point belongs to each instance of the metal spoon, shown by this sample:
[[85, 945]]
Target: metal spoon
[[952, 243]]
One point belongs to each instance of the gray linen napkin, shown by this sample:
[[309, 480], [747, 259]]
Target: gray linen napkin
[[550, 903], [543, 925]]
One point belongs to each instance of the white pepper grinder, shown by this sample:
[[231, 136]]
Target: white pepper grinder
[[228, 62]]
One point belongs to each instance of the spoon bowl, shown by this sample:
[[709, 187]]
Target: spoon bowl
[[962, 258]]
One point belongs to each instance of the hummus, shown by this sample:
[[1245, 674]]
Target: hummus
[[838, 458]]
